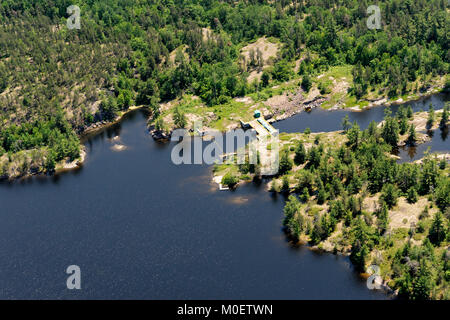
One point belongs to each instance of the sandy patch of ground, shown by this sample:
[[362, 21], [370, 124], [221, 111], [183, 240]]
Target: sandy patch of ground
[[268, 50], [378, 102], [339, 86], [297, 64], [207, 33], [402, 211], [254, 75], [232, 126], [67, 165], [191, 119], [168, 120], [168, 105], [217, 179], [370, 204], [313, 93], [173, 54], [246, 100], [404, 214]]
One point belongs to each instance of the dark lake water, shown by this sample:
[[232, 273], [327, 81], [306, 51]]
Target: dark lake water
[[320, 120], [141, 227]]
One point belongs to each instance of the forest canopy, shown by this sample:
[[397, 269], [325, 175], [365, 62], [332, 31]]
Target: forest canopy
[[146, 52]]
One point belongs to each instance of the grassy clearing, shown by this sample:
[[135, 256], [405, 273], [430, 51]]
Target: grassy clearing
[[333, 85]]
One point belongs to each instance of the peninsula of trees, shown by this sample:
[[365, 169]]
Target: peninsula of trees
[[347, 193]]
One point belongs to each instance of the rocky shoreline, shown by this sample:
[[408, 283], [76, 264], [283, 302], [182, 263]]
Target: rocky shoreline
[[164, 136], [383, 285], [294, 104], [97, 126], [67, 165], [160, 135], [60, 167]]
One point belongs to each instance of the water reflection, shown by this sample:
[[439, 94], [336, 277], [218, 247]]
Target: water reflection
[[437, 144], [444, 133]]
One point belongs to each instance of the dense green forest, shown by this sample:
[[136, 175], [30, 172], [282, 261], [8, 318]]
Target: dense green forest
[[145, 52], [56, 82], [414, 257]]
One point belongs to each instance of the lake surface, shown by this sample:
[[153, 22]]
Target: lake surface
[[320, 120], [140, 227]]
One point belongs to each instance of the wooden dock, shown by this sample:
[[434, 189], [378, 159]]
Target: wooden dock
[[261, 126], [266, 135]]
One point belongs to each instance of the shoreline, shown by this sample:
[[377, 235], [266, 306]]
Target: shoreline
[[419, 120], [307, 106], [95, 128], [98, 126], [65, 166], [363, 275], [69, 166]]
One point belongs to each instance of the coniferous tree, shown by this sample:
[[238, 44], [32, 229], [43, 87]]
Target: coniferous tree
[[390, 131], [444, 118], [346, 124], [409, 112], [383, 218], [305, 195], [442, 194], [431, 117], [403, 125], [179, 118], [290, 209], [300, 154], [421, 284], [285, 162], [437, 232], [359, 255], [412, 136], [322, 196], [389, 195], [306, 83], [354, 136], [265, 78], [412, 195], [285, 184]]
